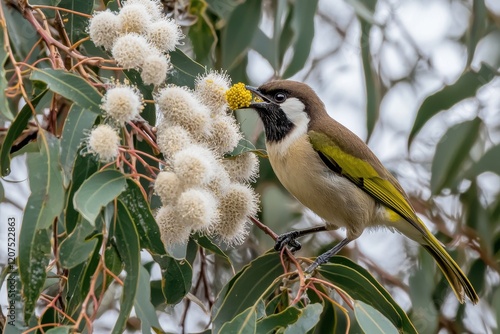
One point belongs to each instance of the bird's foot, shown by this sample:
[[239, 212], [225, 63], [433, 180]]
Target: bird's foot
[[288, 239]]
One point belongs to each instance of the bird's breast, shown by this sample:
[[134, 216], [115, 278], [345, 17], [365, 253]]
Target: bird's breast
[[331, 196]]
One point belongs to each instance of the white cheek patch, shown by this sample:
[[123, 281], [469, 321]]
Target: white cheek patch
[[294, 110]]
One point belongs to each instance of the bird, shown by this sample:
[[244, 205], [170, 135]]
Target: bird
[[334, 173]]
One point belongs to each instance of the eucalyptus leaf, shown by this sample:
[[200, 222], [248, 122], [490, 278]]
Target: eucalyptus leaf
[[142, 305], [97, 191], [371, 320], [44, 205], [127, 244], [243, 323], [466, 86], [71, 86]]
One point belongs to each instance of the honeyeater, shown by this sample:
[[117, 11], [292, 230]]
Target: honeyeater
[[333, 172]]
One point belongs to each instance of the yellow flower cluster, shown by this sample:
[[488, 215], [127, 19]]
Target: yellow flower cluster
[[238, 96]]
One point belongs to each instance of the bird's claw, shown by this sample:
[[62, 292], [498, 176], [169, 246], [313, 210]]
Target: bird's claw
[[287, 239]]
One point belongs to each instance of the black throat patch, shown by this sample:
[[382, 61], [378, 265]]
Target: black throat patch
[[276, 123]]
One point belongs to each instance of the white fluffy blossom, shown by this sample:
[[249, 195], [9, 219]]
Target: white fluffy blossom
[[104, 142], [134, 18], [211, 90], [131, 50], [122, 103], [197, 208], [179, 106], [195, 165], [172, 138], [168, 186], [172, 230], [154, 69], [153, 7], [224, 135], [104, 28], [165, 34], [243, 167]]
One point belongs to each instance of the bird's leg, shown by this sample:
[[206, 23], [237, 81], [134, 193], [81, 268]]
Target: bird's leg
[[323, 258], [289, 238]]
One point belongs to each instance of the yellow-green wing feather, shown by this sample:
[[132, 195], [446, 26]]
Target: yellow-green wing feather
[[364, 175]]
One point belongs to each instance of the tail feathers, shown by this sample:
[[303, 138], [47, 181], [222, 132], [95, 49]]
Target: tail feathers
[[455, 276]]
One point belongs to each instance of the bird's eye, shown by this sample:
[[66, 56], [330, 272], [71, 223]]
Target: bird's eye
[[280, 97]]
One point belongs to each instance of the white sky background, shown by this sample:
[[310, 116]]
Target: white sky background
[[434, 25]]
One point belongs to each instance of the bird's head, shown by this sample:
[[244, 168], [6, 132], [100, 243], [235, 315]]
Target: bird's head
[[286, 106]]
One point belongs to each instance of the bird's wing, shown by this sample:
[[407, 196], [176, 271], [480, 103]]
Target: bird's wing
[[365, 176]]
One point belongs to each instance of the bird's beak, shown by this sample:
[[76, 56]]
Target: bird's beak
[[258, 93]]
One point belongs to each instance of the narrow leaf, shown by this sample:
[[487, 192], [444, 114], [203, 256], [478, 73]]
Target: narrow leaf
[[451, 153], [466, 86], [246, 288], [235, 40], [75, 249], [76, 123], [303, 27], [177, 277], [360, 285], [186, 69], [142, 305], [371, 320], [97, 191], [4, 102], [149, 232], [71, 86], [244, 323], [487, 163], [127, 244], [16, 128], [279, 320], [307, 320]]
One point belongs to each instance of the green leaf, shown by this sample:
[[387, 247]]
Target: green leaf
[[97, 191], [451, 153], [265, 47], [360, 285], [279, 320], [149, 232], [44, 205], [76, 123], [303, 30], [202, 34], [4, 102], [76, 24], [371, 320], [75, 249], [206, 243], [246, 288], [222, 8], [244, 323], [85, 166], [142, 305], [308, 318], [487, 163], [127, 243], [478, 27], [466, 86], [71, 86], [177, 277], [60, 330], [186, 69], [22, 34], [16, 128], [239, 31]]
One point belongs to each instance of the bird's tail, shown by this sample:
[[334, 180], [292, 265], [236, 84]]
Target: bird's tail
[[455, 276]]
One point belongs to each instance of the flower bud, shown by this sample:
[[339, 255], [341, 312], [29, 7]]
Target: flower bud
[[172, 231], [197, 208], [165, 34], [104, 28], [104, 142], [172, 138], [243, 167], [154, 69], [134, 18], [122, 103], [168, 186]]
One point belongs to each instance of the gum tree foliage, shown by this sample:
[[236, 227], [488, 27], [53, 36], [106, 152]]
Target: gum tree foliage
[[85, 224]]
